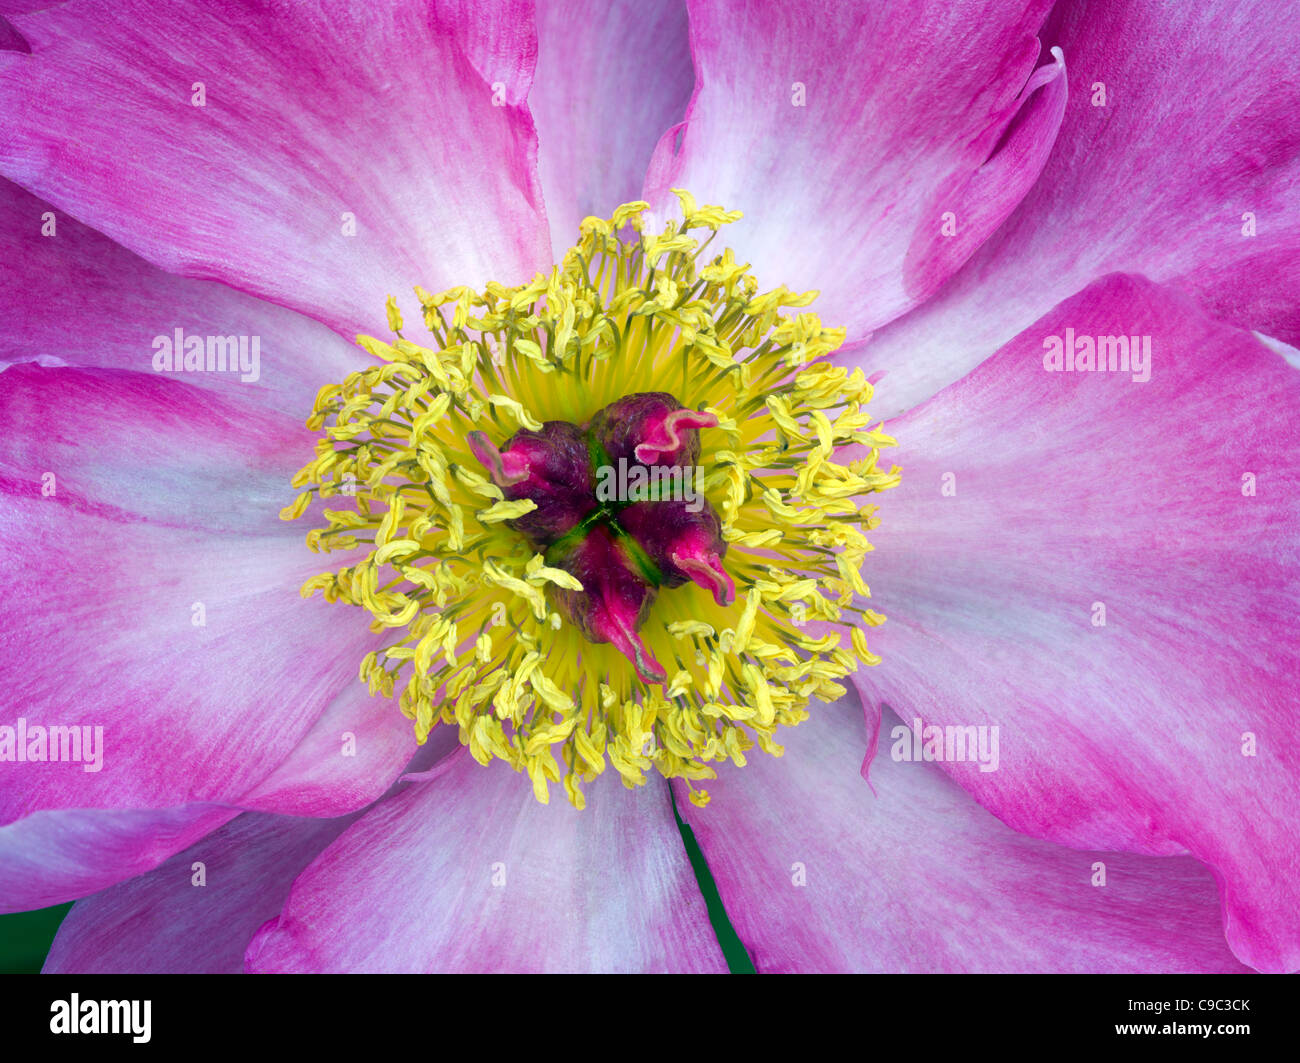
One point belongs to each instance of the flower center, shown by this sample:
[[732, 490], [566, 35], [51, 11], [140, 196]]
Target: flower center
[[619, 505], [605, 518]]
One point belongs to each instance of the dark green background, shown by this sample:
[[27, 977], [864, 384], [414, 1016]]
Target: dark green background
[[25, 938]]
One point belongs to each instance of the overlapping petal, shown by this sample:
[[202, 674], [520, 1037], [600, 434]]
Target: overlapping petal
[[1110, 571], [601, 82], [469, 873], [195, 913], [820, 873], [872, 147], [10, 39], [74, 297], [611, 79], [499, 40], [152, 592], [1178, 158], [356, 748], [55, 856], [320, 155], [351, 756]]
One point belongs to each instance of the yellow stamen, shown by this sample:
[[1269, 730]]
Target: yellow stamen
[[477, 644]]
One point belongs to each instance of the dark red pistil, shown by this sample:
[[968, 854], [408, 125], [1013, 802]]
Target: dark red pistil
[[620, 506]]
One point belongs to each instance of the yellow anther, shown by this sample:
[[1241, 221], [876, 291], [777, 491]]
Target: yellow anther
[[480, 644]]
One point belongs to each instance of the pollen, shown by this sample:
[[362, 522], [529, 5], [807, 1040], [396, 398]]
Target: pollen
[[493, 489]]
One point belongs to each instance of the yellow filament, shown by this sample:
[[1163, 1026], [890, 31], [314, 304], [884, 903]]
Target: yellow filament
[[474, 642]]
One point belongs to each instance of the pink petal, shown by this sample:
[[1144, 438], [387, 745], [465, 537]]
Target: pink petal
[[611, 78], [1158, 181], [11, 40], [817, 874], [499, 40], [357, 749], [188, 713], [1173, 505], [602, 83], [912, 110], [139, 446], [165, 923], [164, 499], [55, 856], [76, 298], [313, 120], [410, 887]]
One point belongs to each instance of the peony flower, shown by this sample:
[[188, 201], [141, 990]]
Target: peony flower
[[453, 271]]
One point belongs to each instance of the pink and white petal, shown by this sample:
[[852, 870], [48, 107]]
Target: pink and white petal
[[55, 856], [469, 873], [500, 41], [193, 652], [73, 297], [166, 923], [1158, 181], [139, 598], [854, 137], [819, 874], [356, 751], [611, 79], [129, 446], [175, 507], [318, 120], [1108, 570]]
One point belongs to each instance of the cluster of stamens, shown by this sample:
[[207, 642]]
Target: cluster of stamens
[[562, 624]]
